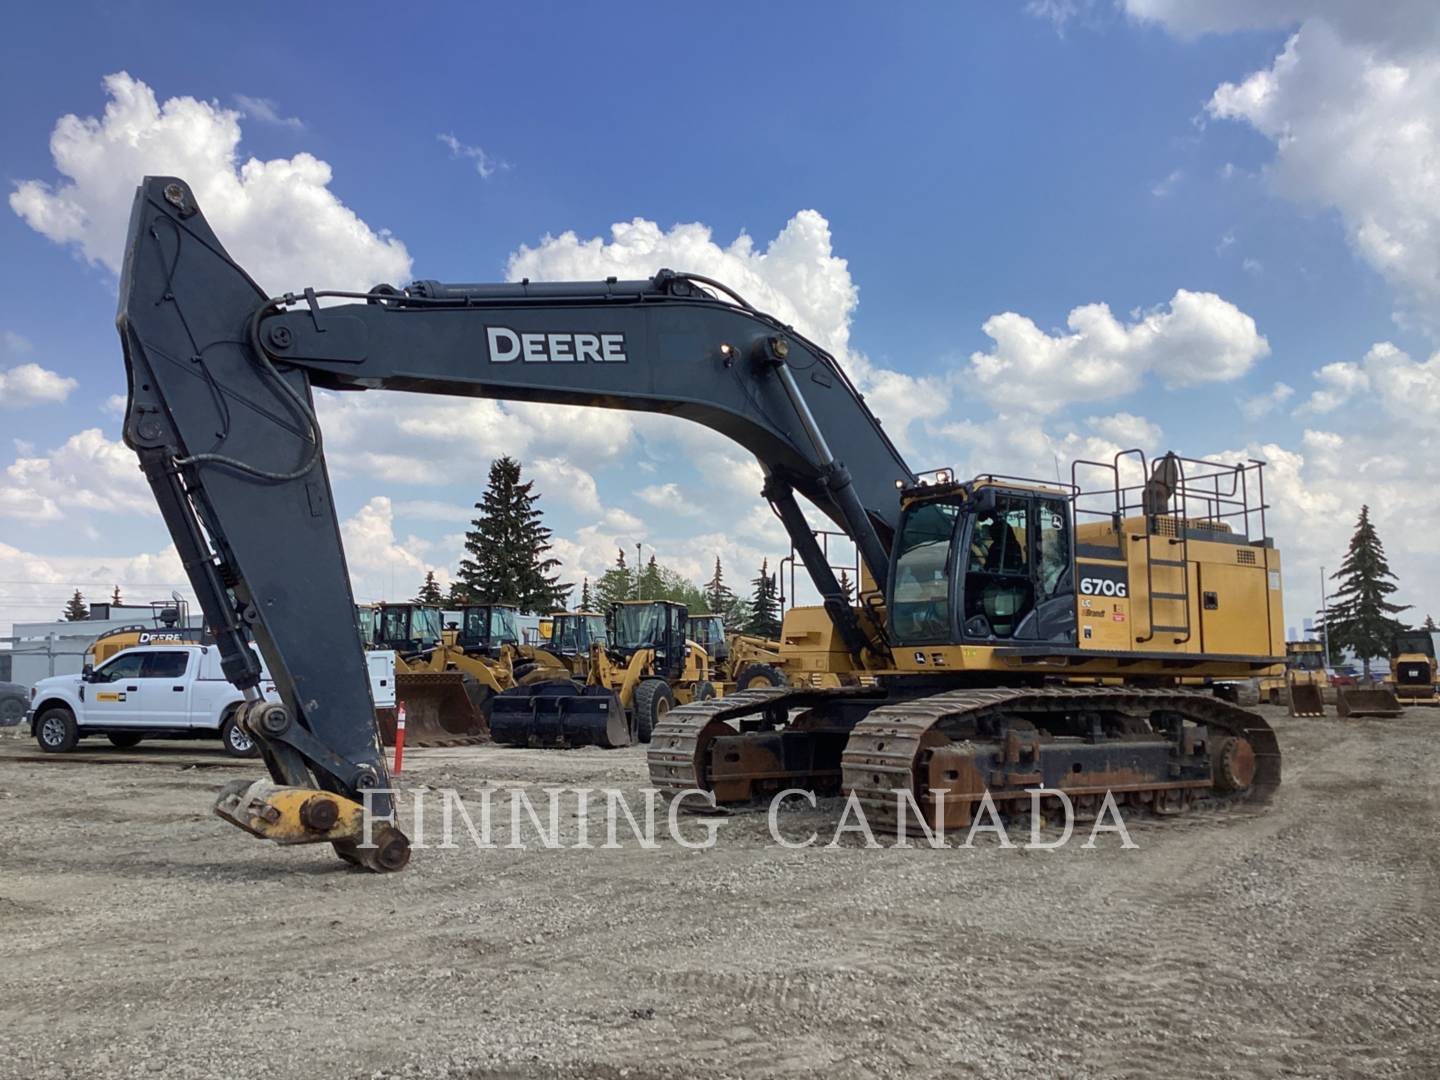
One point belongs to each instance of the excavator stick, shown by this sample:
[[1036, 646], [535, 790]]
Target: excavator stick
[[442, 708], [1306, 699], [559, 712], [1366, 701]]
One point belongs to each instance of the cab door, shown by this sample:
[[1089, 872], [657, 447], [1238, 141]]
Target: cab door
[[112, 692], [164, 693]]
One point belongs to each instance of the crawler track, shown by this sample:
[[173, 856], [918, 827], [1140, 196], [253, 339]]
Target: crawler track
[[968, 742]]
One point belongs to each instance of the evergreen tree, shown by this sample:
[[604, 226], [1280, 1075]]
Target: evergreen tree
[[847, 586], [585, 595], [1360, 614], [615, 584], [76, 610], [115, 600], [507, 543], [651, 584], [458, 597], [430, 591], [719, 599], [1430, 624], [764, 618]]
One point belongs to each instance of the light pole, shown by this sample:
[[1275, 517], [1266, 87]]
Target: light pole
[[1324, 616], [638, 557]]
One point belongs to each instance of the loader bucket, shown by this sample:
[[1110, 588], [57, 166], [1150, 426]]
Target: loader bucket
[[442, 708], [1306, 699], [557, 712], [1367, 701]]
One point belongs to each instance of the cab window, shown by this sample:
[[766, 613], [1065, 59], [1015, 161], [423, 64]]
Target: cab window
[[126, 666], [164, 665], [920, 604]]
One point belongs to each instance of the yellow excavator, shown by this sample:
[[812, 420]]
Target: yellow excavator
[[993, 596]]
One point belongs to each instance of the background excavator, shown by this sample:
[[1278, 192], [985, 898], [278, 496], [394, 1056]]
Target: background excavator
[[990, 598]]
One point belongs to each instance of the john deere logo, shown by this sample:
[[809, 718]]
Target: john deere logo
[[507, 346]]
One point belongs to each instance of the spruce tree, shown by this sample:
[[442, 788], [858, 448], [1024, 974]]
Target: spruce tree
[[430, 593], [719, 599], [115, 600], [507, 542], [615, 584], [1361, 615], [76, 610], [585, 594], [652, 585], [847, 586], [1430, 624], [764, 618]]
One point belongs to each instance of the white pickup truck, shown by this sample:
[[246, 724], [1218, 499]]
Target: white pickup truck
[[160, 692]]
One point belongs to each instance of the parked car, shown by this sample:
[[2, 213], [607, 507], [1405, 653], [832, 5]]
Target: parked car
[[1344, 675], [14, 700], [156, 692]]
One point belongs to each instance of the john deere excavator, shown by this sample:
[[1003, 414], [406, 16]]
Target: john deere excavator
[[998, 593]]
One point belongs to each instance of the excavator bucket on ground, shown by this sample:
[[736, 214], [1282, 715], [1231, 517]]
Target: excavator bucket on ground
[[1378, 701], [559, 711], [1306, 699], [442, 708]]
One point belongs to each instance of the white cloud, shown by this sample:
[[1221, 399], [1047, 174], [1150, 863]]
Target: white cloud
[[485, 165], [34, 588], [1261, 405], [670, 498], [429, 510], [559, 481], [1352, 106], [381, 565], [278, 218], [86, 475], [266, 111], [1200, 338], [1126, 430], [31, 384], [1166, 187]]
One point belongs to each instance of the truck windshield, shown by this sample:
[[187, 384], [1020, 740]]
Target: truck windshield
[[920, 604], [637, 626]]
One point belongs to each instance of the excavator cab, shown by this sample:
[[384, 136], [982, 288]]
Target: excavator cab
[[983, 563], [486, 629]]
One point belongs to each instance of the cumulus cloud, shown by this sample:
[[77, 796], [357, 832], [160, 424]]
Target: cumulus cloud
[[1197, 338], [87, 474], [278, 218], [34, 587], [31, 384], [485, 164], [1352, 106], [1260, 405], [382, 565], [266, 111]]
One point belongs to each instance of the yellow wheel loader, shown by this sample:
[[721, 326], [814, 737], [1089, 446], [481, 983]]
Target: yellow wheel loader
[[1412, 668], [1302, 684], [647, 666], [446, 699]]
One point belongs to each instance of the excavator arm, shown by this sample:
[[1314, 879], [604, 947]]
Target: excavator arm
[[221, 413]]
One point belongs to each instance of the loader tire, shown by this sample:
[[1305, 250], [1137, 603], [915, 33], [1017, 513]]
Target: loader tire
[[653, 700], [756, 676]]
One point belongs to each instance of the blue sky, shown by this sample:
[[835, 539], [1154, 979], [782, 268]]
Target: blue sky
[[965, 161]]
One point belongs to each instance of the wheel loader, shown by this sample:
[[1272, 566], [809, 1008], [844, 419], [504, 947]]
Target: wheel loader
[[646, 666], [1303, 683], [445, 695], [993, 596], [1412, 668], [572, 636]]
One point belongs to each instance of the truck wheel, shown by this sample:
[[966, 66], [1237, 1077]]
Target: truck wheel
[[758, 676], [12, 709], [56, 730], [236, 742], [653, 700], [125, 740]]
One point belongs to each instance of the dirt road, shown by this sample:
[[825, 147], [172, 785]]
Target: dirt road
[[140, 936]]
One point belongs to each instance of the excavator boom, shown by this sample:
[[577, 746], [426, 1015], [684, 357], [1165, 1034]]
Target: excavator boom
[[222, 415]]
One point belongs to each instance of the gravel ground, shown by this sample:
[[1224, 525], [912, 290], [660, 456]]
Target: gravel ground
[[139, 936]]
